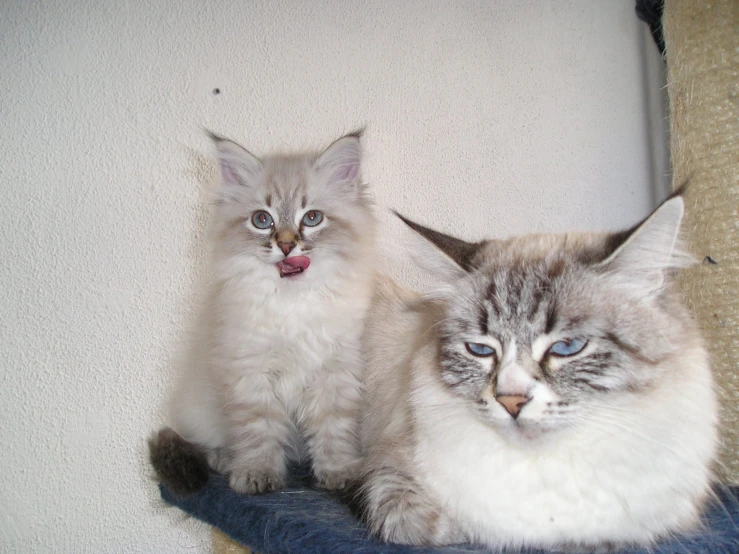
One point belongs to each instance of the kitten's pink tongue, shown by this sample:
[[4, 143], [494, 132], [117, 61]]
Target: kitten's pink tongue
[[293, 265]]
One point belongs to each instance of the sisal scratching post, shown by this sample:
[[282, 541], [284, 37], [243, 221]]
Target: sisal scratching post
[[223, 545], [702, 38]]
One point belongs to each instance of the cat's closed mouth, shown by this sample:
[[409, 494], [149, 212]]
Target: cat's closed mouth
[[293, 266]]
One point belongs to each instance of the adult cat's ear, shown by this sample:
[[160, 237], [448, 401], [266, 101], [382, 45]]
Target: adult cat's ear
[[239, 167], [442, 255], [340, 163], [650, 251]]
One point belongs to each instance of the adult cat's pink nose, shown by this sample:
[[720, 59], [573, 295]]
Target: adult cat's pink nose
[[512, 404]]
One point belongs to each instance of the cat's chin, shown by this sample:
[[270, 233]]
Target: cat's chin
[[528, 433]]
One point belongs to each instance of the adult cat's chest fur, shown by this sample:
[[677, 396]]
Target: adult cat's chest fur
[[606, 478]]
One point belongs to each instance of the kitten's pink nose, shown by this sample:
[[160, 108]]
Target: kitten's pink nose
[[286, 246], [512, 404]]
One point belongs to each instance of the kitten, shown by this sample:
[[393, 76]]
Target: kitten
[[553, 392], [274, 371]]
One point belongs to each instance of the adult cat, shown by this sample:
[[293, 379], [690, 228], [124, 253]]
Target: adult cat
[[552, 392], [274, 370]]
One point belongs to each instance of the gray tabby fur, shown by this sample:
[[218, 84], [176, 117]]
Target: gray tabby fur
[[614, 445]]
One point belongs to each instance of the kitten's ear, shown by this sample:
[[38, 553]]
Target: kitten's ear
[[239, 167], [340, 163], [441, 255], [652, 249]]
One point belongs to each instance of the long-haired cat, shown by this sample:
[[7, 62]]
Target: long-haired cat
[[274, 371], [553, 392]]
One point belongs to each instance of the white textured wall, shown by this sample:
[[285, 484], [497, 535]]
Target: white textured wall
[[483, 117]]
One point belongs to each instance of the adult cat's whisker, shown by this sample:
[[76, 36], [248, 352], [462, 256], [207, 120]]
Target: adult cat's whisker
[[613, 408], [683, 453]]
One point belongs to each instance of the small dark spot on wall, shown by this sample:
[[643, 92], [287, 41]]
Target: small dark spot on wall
[[710, 260], [216, 91]]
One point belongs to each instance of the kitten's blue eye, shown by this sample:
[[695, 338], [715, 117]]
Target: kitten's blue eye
[[567, 347], [262, 220], [312, 218], [477, 349]]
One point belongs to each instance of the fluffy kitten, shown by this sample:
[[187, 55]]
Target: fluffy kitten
[[274, 370], [553, 392]]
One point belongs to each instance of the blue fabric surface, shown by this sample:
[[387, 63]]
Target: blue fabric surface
[[303, 520]]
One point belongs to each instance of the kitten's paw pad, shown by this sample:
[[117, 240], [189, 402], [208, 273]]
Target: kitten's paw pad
[[256, 481], [409, 518]]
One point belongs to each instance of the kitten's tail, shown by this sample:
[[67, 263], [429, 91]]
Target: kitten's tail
[[180, 465]]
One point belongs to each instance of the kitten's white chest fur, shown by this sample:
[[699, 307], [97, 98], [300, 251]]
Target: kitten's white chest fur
[[291, 336], [290, 352], [614, 478], [298, 328]]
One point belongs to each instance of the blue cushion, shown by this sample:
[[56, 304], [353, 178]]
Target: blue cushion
[[303, 520]]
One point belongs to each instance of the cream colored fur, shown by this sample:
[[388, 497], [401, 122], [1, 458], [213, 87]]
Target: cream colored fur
[[274, 370], [630, 466]]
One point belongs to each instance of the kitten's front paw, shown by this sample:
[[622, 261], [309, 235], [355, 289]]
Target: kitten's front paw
[[218, 460], [256, 481], [336, 480]]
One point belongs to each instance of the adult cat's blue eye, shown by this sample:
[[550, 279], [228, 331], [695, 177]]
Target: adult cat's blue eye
[[262, 220], [478, 349], [567, 347], [312, 218]]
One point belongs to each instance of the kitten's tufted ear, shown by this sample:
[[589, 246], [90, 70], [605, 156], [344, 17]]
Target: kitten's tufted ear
[[239, 167], [340, 162], [442, 255], [652, 249]]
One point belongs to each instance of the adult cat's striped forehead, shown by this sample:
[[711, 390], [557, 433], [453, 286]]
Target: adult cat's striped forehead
[[518, 281]]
